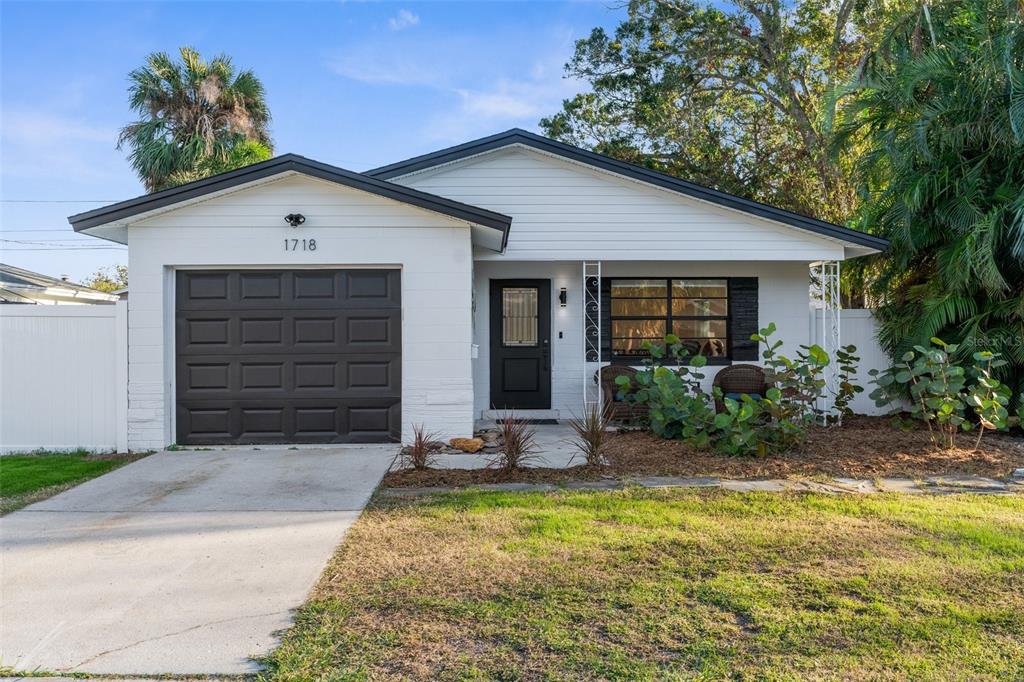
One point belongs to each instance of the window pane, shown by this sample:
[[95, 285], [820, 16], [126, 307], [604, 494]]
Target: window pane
[[640, 287], [699, 329], [709, 348], [701, 307], [700, 288], [639, 329], [631, 346], [639, 307], [519, 316]]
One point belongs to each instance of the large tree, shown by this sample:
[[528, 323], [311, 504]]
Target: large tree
[[938, 109], [729, 94], [196, 118], [108, 279]]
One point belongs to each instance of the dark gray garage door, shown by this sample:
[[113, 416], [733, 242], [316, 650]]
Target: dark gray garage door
[[288, 356]]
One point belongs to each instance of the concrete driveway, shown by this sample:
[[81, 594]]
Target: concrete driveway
[[183, 562]]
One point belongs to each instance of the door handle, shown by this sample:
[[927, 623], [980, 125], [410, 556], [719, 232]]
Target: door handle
[[546, 354]]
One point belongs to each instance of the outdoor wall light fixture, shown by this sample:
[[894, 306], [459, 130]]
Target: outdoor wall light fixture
[[295, 219], [562, 297]]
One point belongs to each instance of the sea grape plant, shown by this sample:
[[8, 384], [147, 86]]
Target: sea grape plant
[[946, 396]]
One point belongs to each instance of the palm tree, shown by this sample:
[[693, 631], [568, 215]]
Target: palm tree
[[939, 108], [197, 118]]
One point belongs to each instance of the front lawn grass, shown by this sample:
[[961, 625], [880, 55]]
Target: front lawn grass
[[25, 479], [671, 584]]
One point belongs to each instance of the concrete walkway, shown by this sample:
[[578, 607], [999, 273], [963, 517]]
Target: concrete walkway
[[183, 562], [939, 485]]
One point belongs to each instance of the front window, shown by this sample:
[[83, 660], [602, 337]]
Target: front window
[[695, 310]]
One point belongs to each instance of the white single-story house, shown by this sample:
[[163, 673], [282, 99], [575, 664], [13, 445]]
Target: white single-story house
[[293, 301]]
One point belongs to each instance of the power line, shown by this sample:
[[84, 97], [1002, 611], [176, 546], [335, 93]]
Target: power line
[[69, 248], [61, 201], [43, 241]]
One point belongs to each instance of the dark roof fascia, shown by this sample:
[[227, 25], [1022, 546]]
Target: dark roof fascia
[[629, 170], [283, 164]]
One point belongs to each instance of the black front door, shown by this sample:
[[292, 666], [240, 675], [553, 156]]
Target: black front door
[[521, 344]]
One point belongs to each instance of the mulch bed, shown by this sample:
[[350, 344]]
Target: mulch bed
[[863, 447]]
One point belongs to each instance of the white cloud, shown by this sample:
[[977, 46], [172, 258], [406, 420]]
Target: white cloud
[[507, 102], [403, 20], [367, 67], [40, 145], [487, 85], [39, 127]]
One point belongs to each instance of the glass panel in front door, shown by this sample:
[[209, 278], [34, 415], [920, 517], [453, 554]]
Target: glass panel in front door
[[519, 316]]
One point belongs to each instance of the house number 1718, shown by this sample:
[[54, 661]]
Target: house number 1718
[[300, 245]]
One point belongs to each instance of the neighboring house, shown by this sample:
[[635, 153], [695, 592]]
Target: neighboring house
[[292, 301], [25, 286]]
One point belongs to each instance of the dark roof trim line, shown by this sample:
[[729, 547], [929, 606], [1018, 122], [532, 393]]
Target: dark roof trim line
[[299, 164], [629, 170]]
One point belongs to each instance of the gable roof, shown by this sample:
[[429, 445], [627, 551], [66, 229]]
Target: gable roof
[[297, 164], [517, 136]]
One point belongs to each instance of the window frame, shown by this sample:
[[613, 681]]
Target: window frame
[[669, 318]]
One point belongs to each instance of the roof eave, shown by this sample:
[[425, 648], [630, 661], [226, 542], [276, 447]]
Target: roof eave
[[132, 208]]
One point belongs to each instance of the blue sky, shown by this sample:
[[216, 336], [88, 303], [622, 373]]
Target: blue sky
[[355, 84]]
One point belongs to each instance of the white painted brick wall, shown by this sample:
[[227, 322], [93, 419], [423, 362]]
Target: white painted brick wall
[[352, 228]]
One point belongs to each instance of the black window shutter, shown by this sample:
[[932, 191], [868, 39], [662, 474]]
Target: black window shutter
[[742, 317]]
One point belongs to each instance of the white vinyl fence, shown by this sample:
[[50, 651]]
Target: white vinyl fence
[[860, 328], [63, 377]]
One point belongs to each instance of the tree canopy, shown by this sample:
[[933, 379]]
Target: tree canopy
[[197, 118], [108, 279], [730, 96], [938, 111]]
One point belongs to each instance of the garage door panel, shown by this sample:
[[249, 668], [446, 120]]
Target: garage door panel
[[293, 289], [261, 286], [244, 332], [288, 356], [221, 376], [352, 420]]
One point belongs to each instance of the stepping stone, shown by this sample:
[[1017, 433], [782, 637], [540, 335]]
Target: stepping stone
[[815, 487], [966, 483], [593, 485], [516, 487], [413, 492], [855, 485], [771, 486], [899, 485], [1018, 473], [677, 482]]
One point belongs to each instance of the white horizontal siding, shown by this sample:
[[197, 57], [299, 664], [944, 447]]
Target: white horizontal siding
[[566, 211], [782, 299], [352, 229]]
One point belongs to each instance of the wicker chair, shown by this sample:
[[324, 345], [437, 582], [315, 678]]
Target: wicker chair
[[619, 410], [742, 378]]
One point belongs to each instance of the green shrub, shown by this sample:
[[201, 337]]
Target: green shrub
[[946, 396], [677, 407], [680, 409]]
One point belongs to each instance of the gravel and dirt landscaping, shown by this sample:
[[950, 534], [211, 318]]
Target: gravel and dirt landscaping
[[671, 584], [863, 447]]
